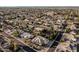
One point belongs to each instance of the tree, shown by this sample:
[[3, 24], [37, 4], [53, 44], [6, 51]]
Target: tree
[[67, 30], [53, 35], [13, 46], [16, 33]]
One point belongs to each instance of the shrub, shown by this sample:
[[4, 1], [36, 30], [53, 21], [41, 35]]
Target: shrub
[[16, 33]]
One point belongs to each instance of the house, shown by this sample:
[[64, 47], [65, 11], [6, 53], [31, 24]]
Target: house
[[40, 40], [51, 13], [69, 22], [58, 22], [26, 20], [57, 27], [63, 47], [26, 35], [37, 30], [73, 33], [71, 27], [8, 31], [69, 36]]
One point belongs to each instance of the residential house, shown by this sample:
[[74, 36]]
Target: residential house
[[40, 40], [26, 35]]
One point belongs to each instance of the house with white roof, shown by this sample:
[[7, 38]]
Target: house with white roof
[[40, 40], [26, 35]]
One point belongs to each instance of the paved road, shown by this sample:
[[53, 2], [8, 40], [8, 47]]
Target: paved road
[[58, 38], [56, 42], [26, 48]]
